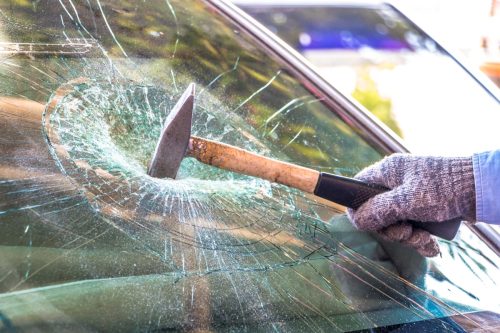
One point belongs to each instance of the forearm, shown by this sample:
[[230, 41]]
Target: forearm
[[487, 182]]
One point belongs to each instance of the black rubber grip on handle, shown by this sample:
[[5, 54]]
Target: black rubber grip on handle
[[353, 193]]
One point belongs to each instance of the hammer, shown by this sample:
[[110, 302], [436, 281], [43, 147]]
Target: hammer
[[176, 142]]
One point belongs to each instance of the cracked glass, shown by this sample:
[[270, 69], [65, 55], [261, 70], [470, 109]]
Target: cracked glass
[[89, 242]]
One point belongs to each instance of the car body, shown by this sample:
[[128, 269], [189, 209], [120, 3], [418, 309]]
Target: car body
[[89, 242]]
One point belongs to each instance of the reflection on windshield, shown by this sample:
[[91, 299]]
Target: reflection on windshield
[[89, 242]]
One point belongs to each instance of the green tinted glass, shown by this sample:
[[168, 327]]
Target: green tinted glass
[[89, 242]]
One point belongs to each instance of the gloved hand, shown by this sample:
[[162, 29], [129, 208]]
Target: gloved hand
[[429, 189]]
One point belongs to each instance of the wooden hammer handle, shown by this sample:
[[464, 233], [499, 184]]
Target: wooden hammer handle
[[242, 161]]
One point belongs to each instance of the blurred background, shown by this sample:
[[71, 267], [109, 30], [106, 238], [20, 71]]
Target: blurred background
[[469, 27], [428, 69]]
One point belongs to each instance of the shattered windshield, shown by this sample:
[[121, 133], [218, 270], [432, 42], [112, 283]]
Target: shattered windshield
[[89, 242]]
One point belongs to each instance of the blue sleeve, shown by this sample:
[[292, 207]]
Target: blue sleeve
[[487, 182]]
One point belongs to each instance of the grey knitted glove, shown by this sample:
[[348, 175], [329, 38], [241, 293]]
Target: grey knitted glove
[[430, 189]]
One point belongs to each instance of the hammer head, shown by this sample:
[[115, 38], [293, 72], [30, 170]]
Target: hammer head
[[174, 138]]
